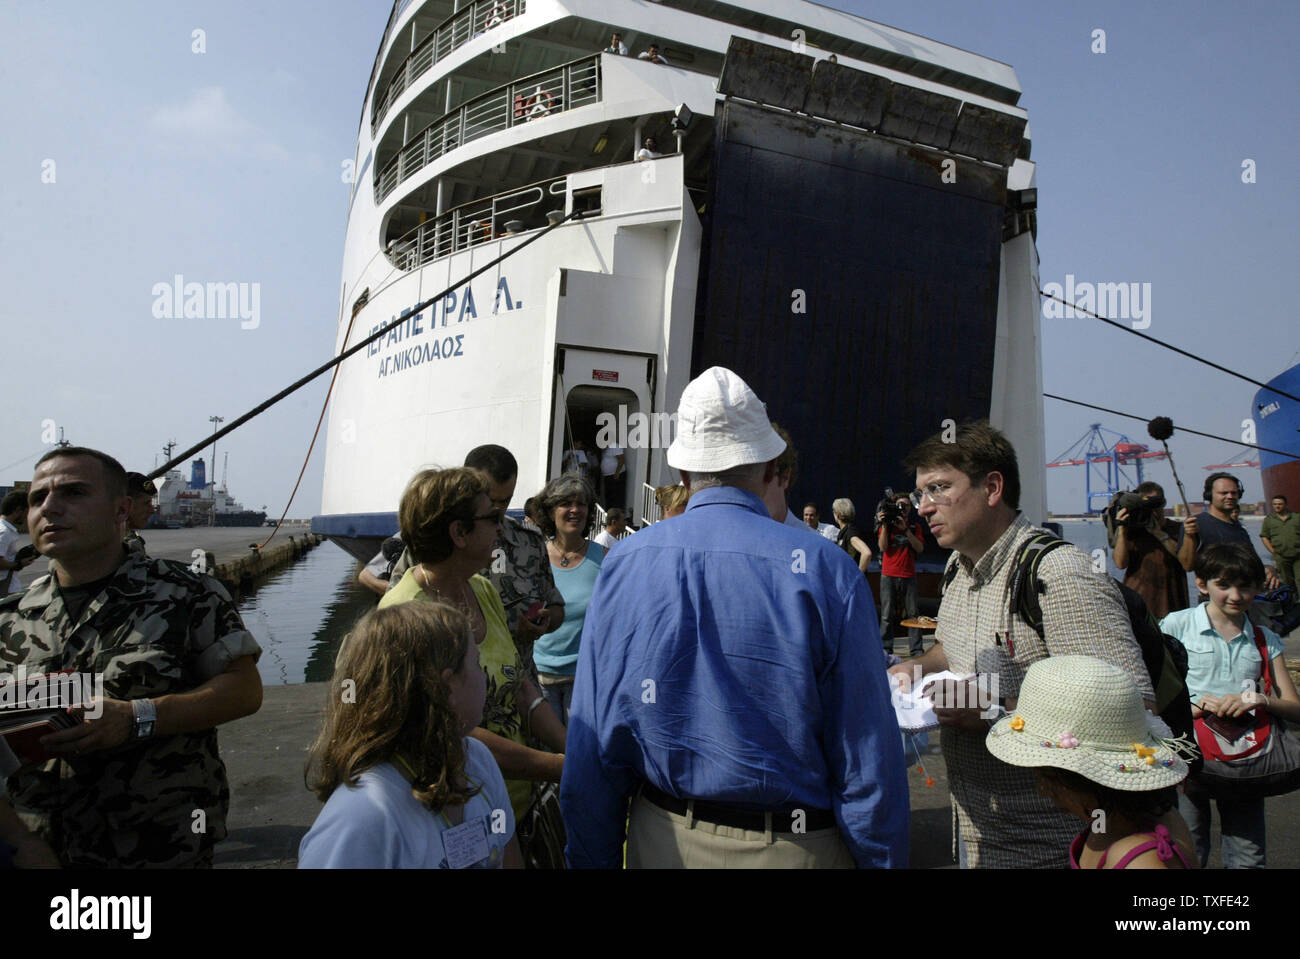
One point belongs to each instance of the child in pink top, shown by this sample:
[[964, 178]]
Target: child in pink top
[[1102, 757]]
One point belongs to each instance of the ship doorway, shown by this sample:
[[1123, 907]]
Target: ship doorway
[[602, 406]]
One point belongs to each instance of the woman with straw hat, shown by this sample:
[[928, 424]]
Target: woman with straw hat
[[1102, 757]]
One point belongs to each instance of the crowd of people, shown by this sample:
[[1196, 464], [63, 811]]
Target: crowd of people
[[709, 691], [721, 705]]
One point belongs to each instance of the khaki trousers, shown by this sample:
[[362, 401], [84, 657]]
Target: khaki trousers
[[658, 839]]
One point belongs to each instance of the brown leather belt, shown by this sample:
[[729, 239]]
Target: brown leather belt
[[755, 820]]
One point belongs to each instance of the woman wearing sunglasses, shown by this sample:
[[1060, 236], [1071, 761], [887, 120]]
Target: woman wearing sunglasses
[[449, 526]]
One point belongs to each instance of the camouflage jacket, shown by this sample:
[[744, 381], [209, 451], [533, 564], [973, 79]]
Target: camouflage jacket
[[521, 573], [155, 628]]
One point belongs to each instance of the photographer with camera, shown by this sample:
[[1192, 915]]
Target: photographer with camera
[[1155, 553], [899, 537]]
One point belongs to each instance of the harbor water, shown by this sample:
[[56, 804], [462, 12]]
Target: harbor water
[[301, 614]]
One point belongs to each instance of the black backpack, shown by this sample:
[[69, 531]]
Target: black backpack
[[1164, 656]]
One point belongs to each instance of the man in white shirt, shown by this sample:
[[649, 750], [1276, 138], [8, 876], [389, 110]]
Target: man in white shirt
[[652, 54], [812, 517], [613, 466], [13, 524], [616, 46], [649, 151], [615, 524]]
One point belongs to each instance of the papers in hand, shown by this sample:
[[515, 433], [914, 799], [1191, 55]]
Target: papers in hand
[[914, 709]]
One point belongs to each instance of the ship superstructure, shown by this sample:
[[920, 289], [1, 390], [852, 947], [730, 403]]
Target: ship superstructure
[[841, 212], [198, 502]]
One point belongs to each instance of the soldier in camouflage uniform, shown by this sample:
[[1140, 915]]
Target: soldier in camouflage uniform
[[520, 570], [142, 784], [142, 490]]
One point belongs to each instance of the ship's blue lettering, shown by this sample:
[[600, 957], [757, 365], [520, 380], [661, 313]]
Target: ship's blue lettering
[[392, 336], [503, 290], [467, 306], [416, 329], [458, 345], [449, 304]]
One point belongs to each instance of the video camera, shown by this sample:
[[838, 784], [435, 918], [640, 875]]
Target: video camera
[[1142, 513], [1141, 510], [890, 508]]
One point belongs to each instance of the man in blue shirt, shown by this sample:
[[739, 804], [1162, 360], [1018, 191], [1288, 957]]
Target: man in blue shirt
[[730, 684]]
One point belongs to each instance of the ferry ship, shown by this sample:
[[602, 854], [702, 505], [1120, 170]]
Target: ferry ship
[[842, 212], [1277, 427], [198, 502]]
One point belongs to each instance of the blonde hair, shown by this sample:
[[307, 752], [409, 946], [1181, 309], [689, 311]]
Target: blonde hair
[[671, 497], [388, 700], [433, 500]]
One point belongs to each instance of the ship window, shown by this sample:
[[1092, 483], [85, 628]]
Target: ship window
[[587, 200]]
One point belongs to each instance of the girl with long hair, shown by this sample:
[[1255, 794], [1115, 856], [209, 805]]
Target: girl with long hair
[[404, 785]]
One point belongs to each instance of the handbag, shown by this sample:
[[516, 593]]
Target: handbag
[[541, 830], [1251, 756]]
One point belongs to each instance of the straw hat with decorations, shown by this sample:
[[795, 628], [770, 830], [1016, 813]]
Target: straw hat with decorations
[[1084, 715]]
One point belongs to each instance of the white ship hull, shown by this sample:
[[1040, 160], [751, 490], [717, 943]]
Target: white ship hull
[[600, 314]]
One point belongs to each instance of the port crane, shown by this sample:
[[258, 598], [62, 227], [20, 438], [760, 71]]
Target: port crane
[[1110, 465]]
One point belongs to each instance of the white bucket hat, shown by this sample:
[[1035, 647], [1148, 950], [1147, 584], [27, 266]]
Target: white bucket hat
[[1085, 715], [721, 423]]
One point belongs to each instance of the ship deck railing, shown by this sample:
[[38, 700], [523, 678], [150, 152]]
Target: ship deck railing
[[454, 32], [566, 87], [648, 509], [478, 221]]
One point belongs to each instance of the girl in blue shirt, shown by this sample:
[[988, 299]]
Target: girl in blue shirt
[[1225, 678], [404, 785]]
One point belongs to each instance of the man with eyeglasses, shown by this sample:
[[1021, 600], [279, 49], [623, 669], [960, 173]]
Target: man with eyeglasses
[[968, 490], [520, 570]]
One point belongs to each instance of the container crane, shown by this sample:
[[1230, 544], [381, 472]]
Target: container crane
[[1110, 467]]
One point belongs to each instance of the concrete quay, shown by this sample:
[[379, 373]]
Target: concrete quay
[[228, 551], [271, 809]]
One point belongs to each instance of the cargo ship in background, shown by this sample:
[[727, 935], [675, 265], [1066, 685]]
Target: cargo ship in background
[[197, 502], [1277, 426], [841, 212]]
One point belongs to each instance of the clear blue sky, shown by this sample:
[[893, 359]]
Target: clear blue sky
[[225, 166]]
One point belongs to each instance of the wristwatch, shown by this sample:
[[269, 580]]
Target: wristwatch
[[145, 718]]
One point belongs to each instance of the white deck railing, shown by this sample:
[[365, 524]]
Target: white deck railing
[[473, 223], [562, 88], [647, 508], [454, 32]]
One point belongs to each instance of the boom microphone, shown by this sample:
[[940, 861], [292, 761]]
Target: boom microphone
[[1161, 428]]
